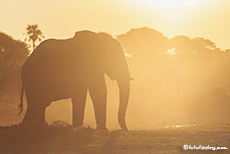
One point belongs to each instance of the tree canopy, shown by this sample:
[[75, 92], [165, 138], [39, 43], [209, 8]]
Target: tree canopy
[[178, 73], [33, 34], [13, 54]]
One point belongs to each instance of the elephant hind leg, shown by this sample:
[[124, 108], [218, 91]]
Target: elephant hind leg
[[98, 95], [35, 113], [78, 107]]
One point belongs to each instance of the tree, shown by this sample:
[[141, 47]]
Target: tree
[[143, 41], [204, 43], [33, 34], [13, 54], [181, 44]]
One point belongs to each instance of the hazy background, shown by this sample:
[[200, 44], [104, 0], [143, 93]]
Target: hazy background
[[61, 18], [178, 54]]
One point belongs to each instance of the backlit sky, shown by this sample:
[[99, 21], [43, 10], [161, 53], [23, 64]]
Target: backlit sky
[[61, 18]]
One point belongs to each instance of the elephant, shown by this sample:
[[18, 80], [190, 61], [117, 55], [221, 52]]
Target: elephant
[[68, 68]]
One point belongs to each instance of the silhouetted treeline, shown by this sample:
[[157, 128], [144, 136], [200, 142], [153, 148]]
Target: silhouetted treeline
[[177, 79], [13, 54], [181, 78]]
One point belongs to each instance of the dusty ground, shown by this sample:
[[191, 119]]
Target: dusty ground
[[63, 139]]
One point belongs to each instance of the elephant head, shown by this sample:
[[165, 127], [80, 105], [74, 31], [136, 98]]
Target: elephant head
[[111, 59], [117, 69]]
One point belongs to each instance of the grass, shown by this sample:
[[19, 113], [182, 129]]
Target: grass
[[61, 138]]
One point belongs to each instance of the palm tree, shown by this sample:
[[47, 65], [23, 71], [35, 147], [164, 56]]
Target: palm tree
[[33, 34]]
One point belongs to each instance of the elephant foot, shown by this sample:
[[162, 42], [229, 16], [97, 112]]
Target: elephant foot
[[78, 125], [34, 123], [82, 128], [101, 128]]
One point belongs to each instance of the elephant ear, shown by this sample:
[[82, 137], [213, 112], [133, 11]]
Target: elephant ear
[[111, 55]]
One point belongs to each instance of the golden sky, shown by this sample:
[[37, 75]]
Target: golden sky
[[61, 18]]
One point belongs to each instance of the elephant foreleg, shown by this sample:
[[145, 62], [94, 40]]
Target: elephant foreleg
[[78, 102], [98, 95]]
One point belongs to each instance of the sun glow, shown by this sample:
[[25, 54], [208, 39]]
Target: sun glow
[[173, 15], [169, 3]]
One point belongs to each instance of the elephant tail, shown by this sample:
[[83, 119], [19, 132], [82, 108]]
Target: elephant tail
[[20, 106]]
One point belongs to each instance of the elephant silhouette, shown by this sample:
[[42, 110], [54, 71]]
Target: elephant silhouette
[[61, 69]]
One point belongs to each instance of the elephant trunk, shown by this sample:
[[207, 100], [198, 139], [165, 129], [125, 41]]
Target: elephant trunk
[[124, 90]]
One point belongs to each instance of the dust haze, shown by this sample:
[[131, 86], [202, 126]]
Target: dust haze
[[177, 81]]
